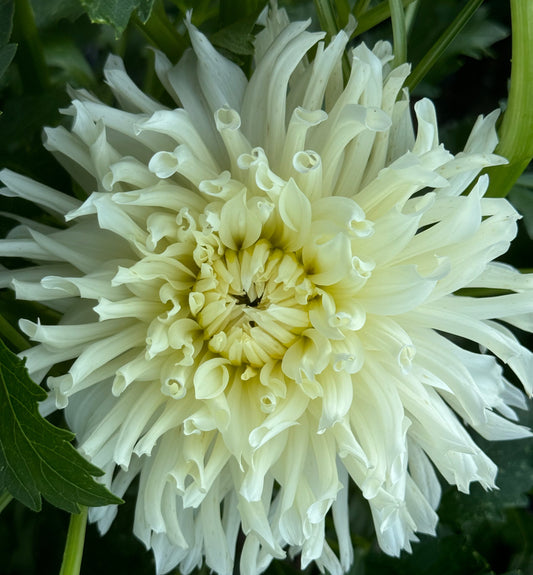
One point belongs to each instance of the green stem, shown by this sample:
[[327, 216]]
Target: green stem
[[435, 52], [375, 16], [162, 34], [399, 34], [360, 7], [10, 334], [74, 546], [410, 15], [30, 56], [516, 132], [5, 499], [326, 16], [328, 23]]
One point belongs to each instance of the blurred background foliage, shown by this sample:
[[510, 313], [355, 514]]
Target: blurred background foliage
[[47, 45]]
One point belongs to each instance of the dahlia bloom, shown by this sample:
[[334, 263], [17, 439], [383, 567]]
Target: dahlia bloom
[[259, 306]]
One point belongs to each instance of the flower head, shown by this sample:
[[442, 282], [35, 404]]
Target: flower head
[[258, 296]]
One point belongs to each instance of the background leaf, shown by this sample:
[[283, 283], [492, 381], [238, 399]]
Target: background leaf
[[7, 53], [36, 458], [47, 12], [6, 20], [446, 555], [237, 37], [478, 37], [117, 12]]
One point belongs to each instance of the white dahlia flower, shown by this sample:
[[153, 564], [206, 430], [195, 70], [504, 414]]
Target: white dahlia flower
[[259, 302]]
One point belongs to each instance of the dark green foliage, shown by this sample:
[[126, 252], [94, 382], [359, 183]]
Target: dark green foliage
[[237, 37], [49, 12], [117, 13], [7, 51], [36, 458]]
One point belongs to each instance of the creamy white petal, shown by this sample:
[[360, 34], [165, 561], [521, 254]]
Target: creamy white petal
[[125, 90], [222, 81], [20, 186]]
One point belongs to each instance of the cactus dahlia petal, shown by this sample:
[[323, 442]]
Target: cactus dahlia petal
[[256, 299]]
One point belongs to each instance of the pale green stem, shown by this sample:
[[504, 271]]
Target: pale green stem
[[74, 546], [435, 52], [516, 132], [326, 16], [5, 500], [10, 334], [162, 34], [343, 11], [375, 16], [328, 23], [410, 15], [31, 63], [360, 7], [399, 34]]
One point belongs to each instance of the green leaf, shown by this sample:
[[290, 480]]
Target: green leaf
[[230, 9], [445, 554], [48, 12], [7, 54], [62, 54], [6, 20], [36, 458], [478, 36], [117, 12], [237, 37]]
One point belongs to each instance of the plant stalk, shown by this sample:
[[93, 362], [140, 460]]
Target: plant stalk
[[30, 55], [516, 131], [435, 52], [375, 16], [10, 334], [162, 34], [73, 553], [5, 499], [399, 32]]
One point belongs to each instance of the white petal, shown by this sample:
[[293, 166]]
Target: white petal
[[285, 416], [395, 290], [125, 90], [177, 124], [223, 83], [185, 85], [255, 105], [37, 193], [211, 378], [131, 428]]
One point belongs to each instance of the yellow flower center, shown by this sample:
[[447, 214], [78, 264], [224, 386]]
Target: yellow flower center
[[251, 303]]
